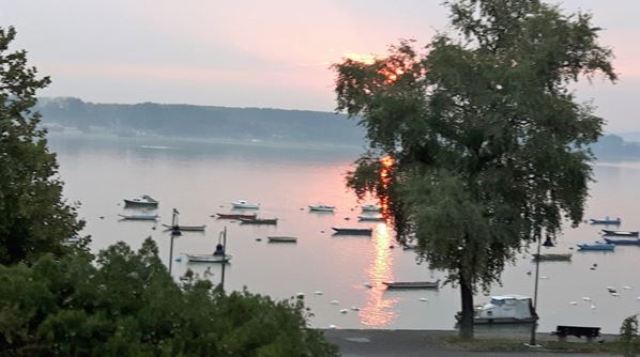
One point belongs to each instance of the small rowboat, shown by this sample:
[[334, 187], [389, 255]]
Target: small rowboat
[[144, 201], [368, 218], [353, 231], [235, 216], [208, 258], [597, 246], [552, 257], [245, 204], [412, 284], [622, 241], [606, 221], [186, 228], [321, 208], [620, 233], [139, 217], [272, 221], [370, 208], [282, 239]]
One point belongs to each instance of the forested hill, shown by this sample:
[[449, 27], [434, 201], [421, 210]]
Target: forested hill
[[191, 121]]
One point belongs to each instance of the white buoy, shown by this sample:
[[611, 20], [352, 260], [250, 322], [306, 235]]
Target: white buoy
[[638, 298], [317, 292], [586, 298], [626, 287], [423, 299], [355, 308], [593, 307], [573, 303], [333, 327], [344, 311], [615, 294], [335, 302], [544, 277]]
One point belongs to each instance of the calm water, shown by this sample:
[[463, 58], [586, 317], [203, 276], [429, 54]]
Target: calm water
[[202, 179]]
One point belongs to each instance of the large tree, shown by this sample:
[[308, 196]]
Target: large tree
[[485, 147], [34, 219]]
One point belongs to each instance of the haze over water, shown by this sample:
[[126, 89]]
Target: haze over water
[[201, 179]]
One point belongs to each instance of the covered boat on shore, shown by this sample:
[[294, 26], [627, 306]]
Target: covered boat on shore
[[186, 228], [597, 246], [412, 284], [370, 218], [505, 309], [606, 221], [620, 233], [371, 208], [143, 202], [352, 231], [237, 216]]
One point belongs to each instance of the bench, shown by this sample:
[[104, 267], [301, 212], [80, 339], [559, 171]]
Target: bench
[[578, 331]]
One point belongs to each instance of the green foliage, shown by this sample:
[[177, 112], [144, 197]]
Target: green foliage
[[629, 339], [33, 217], [490, 146], [127, 304]]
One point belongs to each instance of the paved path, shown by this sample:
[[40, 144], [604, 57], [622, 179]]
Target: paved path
[[410, 343]]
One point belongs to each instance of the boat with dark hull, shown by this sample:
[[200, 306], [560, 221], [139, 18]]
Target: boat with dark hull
[[622, 241], [620, 233], [552, 257], [143, 202], [282, 239], [597, 246], [186, 228], [138, 217], [236, 216], [412, 284], [208, 258], [353, 231], [606, 221], [258, 221]]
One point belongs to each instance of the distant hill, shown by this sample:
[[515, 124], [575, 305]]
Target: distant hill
[[200, 122], [615, 148]]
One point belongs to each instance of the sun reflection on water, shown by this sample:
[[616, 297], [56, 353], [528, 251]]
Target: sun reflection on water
[[378, 310]]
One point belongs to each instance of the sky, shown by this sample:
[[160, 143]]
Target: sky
[[252, 53]]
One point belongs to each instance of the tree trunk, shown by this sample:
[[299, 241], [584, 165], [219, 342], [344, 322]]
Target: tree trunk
[[466, 316]]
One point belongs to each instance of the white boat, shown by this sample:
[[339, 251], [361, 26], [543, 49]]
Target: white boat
[[370, 208], [321, 208], [505, 309], [139, 217], [245, 204], [144, 201], [370, 218], [208, 258]]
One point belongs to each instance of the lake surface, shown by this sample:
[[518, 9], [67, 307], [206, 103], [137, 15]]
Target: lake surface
[[201, 179]]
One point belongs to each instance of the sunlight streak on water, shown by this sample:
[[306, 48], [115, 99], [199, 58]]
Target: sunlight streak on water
[[378, 310]]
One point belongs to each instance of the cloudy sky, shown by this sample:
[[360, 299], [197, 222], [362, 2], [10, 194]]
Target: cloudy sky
[[259, 53]]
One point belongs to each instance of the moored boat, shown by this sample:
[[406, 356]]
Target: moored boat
[[412, 284], [370, 208], [186, 228], [606, 221], [370, 218], [620, 233], [321, 208], [597, 246], [353, 231], [552, 257], [235, 216], [507, 309], [138, 217], [144, 201], [272, 221], [623, 241], [208, 258], [245, 204], [282, 239]]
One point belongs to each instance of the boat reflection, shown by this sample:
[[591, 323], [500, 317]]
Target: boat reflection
[[379, 310]]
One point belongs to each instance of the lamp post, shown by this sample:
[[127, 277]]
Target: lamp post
[[547, 243]]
